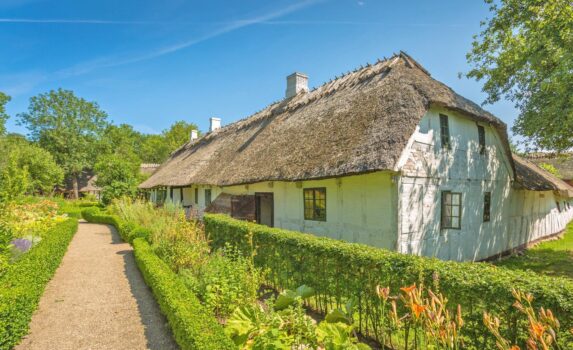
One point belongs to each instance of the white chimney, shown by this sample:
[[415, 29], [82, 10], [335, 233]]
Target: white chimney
[[194, 135], [215, 123], [296, 82]]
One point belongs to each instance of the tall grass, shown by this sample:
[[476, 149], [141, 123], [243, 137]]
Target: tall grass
[[179, 242]]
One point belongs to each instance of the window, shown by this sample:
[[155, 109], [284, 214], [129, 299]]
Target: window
[[451, 209], [315, 204], [486, 206], [207, 197], [481, 137], [161, 196], [196, 196], [171, 193], [558, 206], [445, 131]]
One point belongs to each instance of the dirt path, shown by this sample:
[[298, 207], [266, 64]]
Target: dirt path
[[98, 300]]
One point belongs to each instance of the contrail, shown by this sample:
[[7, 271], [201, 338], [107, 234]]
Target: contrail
[[107, 62], [72, 21]]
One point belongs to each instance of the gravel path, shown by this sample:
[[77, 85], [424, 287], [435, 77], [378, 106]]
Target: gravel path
[[98, 300]]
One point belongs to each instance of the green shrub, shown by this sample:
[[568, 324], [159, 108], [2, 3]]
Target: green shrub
[[194, 327], [24, 282], [340, 271], [225, 279]]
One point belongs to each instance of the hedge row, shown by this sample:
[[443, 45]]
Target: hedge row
[[193, 326], [339, 271], [127, 231], [23, 284]]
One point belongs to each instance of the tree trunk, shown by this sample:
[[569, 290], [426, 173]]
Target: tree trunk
[[75, 186]]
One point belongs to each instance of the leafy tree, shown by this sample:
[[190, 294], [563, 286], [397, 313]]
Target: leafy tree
[[154, 149], [14, 179], [118, 176], [157, 148], [3, 116], [122, 139], [550, 169], [178, 134], [43, 172], [67, 126], [524, 54]]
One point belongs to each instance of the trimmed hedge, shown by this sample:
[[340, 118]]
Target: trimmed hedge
[[193, 326], [23, 285], [339, 271]]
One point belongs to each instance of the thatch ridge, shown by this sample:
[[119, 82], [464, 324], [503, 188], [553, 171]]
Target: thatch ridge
[[357, 123], [534, 178], [563, 162]]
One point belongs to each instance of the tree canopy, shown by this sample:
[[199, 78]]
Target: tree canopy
[[3, 116], [525, 54], [69, 135], [68, 127]]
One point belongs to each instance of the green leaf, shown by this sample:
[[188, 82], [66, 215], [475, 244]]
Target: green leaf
[[285, 299], [242, 323], [305, 291], [337, 315], [336, 334]]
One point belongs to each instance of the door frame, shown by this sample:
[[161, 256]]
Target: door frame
[[258, 196]]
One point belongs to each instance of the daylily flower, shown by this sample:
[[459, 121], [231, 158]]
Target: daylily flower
[[408, 290], [383, 293]]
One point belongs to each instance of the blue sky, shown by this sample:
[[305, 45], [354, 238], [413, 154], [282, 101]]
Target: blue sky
[[150, 63]]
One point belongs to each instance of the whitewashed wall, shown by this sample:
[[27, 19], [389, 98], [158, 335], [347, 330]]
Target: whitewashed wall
[[359, 208], [517, 217]]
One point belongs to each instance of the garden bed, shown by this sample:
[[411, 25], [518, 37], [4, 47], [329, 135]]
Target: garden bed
[[388, 297], [341, 271], [22, 285]]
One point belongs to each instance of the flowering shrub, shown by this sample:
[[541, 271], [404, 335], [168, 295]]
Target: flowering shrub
[[31, 219]]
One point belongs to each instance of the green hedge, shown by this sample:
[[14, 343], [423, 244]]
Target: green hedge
[[338, 271], [22, 286], [194, 327]]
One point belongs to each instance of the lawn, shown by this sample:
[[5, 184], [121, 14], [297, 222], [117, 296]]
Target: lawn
[[554, 258]]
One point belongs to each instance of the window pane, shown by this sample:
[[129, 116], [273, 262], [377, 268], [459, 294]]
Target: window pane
[[455, 211], [456, 198], [455, 222], [446, 221], [447, 198]]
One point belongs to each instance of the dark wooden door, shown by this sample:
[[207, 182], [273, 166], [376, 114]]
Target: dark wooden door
[[265, 208]]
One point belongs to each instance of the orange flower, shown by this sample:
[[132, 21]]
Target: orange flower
[[408, 290], [515, 347], [537, 329], [417, 309]]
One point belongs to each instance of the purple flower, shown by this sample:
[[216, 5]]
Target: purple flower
[[22, 244]]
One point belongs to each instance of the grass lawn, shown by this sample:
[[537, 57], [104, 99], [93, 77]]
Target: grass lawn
[[554, 258]]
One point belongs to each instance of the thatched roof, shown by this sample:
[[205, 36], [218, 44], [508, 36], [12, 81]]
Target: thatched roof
[[86, 182], [562, 162], [532, 177], [357, 123], [148, 168]]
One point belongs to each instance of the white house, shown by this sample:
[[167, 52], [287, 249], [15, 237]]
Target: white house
[[385, 156]]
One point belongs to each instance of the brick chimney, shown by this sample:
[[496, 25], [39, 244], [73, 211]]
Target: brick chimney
[[296, 82]]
